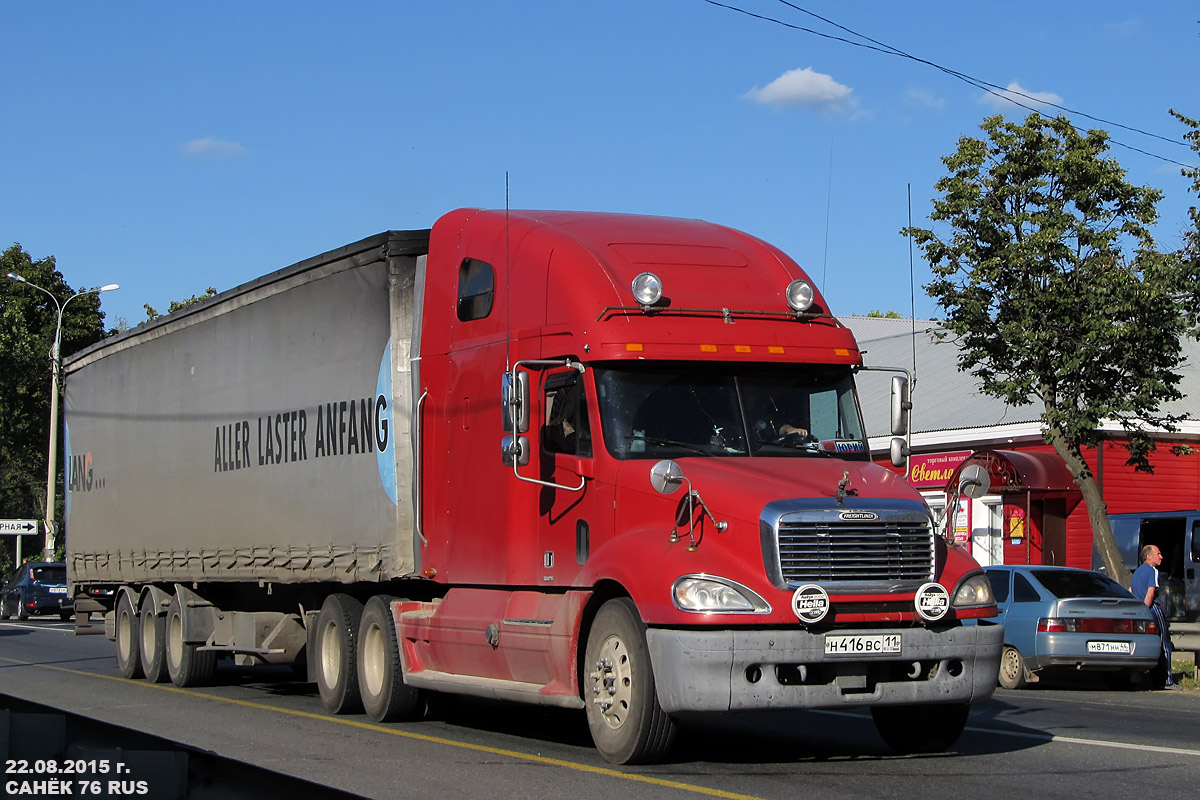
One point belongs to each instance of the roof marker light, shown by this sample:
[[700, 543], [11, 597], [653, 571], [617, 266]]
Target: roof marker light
[[647, 289], [800, 295]]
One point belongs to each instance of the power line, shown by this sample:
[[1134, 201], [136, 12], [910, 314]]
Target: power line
[[1007, 94]]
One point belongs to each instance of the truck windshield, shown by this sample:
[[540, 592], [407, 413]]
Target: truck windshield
[[662, 410]]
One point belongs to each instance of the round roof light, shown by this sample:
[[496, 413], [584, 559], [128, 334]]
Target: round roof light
[[800, 295], [647, 289]]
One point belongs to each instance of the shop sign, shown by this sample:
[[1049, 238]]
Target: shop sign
[[934, 470]]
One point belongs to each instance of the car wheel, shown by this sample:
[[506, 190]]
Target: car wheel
[[385, 696], [337, 654], [186, 663], [626, 721], [22, 611], [1012, 668], [4, 608], [129, 661]]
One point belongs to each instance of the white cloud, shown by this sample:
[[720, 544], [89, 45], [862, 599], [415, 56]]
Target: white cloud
[[923, 98], [209, 147], [1016, 97], [808, 89]]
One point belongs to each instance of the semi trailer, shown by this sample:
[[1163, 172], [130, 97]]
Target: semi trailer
[[604, 462]]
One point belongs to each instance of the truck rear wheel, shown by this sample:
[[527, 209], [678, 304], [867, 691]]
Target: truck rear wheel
[[627, 724], [385, 696], [932, 728], [153, 649], [129, 661], [186, 664], [337, 654]]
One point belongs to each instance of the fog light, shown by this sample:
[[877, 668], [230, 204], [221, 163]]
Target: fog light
[[647, 289]]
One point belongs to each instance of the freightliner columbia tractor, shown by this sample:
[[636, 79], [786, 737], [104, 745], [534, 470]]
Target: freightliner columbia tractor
[[603, 462]]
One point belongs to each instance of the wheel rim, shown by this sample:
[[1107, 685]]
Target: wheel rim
[[612, 682], [1011, 666], [331, 655], [374, 659], [124, 636], [175, 640]]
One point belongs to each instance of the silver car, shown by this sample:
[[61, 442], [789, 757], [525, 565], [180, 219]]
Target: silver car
[[1059, 617]]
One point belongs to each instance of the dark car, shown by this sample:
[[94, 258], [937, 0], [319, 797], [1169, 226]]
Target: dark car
[[37, 587], [1059, 617]]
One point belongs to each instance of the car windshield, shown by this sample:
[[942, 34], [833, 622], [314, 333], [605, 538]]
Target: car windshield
[[50, 576], [1064, 583], [668, 410]]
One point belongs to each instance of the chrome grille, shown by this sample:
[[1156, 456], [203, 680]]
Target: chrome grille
[[893, 551]]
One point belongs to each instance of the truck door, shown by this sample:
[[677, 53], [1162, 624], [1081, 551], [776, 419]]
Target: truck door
[[565, 460], [1192, 587]]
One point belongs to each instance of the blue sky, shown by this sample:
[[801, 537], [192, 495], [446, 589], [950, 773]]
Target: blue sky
[[169, 147]]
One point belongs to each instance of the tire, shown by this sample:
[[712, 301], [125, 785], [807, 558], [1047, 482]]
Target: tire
[[336, 644], [187, 665], [1012, 669], [4, 608], [627, 723], [22, 611], [152, 646], [128, 636], [922, 728], [385, 697]]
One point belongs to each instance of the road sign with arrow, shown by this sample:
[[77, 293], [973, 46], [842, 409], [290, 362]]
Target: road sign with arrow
[[18, 527]]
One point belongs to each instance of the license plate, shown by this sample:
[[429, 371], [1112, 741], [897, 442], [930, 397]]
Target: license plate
[[1110, 647], [862, 645], [58, 590]]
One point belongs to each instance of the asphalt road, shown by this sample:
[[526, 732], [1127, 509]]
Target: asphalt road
[[1068, 740]]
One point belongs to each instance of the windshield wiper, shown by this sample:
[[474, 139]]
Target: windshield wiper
[[669, 443]]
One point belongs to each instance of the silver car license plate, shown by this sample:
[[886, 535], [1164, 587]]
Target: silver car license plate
[[862, 644], [1110, 647]]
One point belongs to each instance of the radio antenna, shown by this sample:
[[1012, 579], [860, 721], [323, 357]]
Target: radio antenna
[[507, 284], [912, 292], [828, 203]]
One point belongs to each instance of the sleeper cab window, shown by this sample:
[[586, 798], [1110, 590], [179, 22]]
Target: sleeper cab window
[[476, 289]]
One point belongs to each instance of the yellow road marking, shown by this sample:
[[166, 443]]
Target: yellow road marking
[[554, 762]]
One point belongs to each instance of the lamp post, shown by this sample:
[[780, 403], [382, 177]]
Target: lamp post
[[55, 382]]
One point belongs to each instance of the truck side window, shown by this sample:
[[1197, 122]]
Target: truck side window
[[1196, 540], [476, 289], [1023, 591], [566, 422]]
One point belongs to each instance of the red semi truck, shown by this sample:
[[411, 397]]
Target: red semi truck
[[596, 461]]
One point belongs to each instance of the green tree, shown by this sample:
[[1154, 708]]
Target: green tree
[[27, 323], [1051, 283], [152, 313], [885, 314]]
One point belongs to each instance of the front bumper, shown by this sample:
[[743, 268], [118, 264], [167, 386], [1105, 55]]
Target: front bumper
[[699, 670]]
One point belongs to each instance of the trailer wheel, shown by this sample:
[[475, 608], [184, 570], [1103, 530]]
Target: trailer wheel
[[186, 664], [932, 728], [627, 724], [337, 654], [1012, 668], [385, 696], [129, 661], [153, 651]]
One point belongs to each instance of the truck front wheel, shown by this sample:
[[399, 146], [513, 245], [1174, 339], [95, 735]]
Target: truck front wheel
[[337, 654], [385, 696], [129, 661], [186, 663], [627, 724], [930, 728]]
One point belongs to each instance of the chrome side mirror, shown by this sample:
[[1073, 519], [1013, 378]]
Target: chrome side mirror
[[901, 405], [514, 402], [898, 450], [666, 476], [974, 481]]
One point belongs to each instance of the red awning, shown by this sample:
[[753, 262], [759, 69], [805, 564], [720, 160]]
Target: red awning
[[1013, 471]]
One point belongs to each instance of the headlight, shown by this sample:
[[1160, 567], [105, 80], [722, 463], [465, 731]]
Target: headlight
[[647, 289], [976, 590], [800, 295], [705, 594]]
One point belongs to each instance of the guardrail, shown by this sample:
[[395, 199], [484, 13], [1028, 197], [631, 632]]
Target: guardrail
[[1185, 637]]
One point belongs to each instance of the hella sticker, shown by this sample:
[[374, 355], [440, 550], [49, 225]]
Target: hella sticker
[[811, 603], [933, 601]]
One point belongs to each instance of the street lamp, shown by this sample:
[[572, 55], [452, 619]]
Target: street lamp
[[55, 382]]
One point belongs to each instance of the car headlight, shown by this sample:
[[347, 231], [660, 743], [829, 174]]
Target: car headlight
[[975, 590], [706, 594]]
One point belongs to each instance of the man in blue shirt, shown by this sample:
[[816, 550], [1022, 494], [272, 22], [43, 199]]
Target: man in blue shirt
[[1146, 587]]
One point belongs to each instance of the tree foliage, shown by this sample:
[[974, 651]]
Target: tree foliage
[[152, 313], [27, 323], [1052, 284]]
